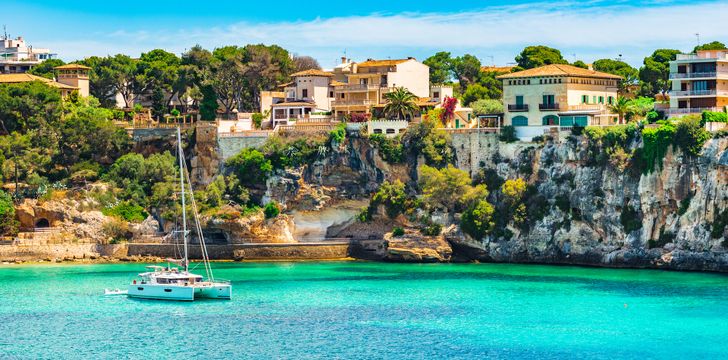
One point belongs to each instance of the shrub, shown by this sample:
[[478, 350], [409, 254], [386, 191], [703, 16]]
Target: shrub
[[174, 112], [684, 205], [117, 230], [656, 142], [128, 211], [397, 231], [690, 136], [8, 224], [432, 229], [432, 142], [508, 134], [250, 166], [257, 119], [563, 203], [477, 221], [713, 116], [271, 210], [449, 188], [338, 134], [365, 215], [392, 150], [392, 196]]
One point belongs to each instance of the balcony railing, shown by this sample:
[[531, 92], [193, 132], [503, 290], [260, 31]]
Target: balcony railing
[[549, 107], [360, 87], [697, 110], [719, 55], [587, 107], [698, 92], [697, 75], [517, 107], [352, 102]]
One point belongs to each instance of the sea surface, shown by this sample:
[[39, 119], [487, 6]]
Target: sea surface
[[369, 310]]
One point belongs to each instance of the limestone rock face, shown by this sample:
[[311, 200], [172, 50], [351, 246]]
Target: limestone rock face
[[206, 162], [67, 221], [675, 206], [414, 247], [254, 229]]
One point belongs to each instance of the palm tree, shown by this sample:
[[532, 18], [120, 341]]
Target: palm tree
[[400, 103], [622, 107]]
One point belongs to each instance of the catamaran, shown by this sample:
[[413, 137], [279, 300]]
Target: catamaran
[[178, 283]]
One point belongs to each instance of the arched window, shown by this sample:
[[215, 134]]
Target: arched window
[[520, 121], [550, 120]]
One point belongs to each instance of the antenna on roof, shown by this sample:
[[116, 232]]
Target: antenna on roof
[[697, 35], [5, 32], [492, 60]]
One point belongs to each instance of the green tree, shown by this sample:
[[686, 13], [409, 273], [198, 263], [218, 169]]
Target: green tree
[[46, 69], [477, 221], [655, 72], [493, 86], [392, 196], [8, 224], [400, 104], [535, 56], [487, 106], [466, 69], [449, 188], [209, 104], [160, 72], [474, 93], [440, 65], [714, 45], [427, 139], [629, 75], [250, 166], [580, 64], [622, 107]]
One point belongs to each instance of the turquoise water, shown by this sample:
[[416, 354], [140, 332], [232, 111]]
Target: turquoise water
[[370, 310]]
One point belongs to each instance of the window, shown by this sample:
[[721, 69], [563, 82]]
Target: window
[[585, 99], [528, 81], [519, 100], [304, 93], [377, 131], [390, 131], [436, 94], [548, 100], [550, 120], [601, 99], [342, 95], [610, 100], [519, 121], [331, 94], [594, 99]]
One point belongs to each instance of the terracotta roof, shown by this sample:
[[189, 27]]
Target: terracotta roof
[[337, 83], [498, 69], [24, 77], [558, 70], [72, 67], [312, 72], [370, 63], [295, 103]]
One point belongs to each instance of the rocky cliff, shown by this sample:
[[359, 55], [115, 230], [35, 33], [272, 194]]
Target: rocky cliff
[[605, 215]]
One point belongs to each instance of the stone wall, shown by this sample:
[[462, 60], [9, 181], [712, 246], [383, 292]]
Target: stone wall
[[61, 251], [299, 251], [474, 149], [229, 146]]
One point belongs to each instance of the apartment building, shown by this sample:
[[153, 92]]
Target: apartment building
[[18, 57], [699, 82], [367, 82], [538, 99]]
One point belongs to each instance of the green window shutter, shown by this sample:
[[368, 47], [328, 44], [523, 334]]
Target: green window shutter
[[519, 121], [519, 100]]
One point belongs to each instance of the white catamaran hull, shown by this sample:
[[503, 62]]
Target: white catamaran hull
[[180, 292]]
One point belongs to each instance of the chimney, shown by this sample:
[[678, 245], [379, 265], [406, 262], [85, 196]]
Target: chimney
[[343, 59]]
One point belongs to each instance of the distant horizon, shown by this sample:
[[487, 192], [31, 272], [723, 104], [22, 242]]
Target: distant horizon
[[494, 31]]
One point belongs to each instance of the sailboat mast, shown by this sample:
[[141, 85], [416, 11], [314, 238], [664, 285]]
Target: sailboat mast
[[182, 186]]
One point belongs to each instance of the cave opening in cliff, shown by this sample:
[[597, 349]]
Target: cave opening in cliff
[[42, 223]]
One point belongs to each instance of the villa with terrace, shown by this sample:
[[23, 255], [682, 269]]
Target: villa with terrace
[[557, 96], [699, 82]]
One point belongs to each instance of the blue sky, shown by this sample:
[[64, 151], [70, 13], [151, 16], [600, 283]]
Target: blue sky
[[495, 31]]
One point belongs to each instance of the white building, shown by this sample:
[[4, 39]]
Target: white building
[[18, 57]]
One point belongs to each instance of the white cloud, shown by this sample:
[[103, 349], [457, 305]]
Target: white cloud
[[588, 31]]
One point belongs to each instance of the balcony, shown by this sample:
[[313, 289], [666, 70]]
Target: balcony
[[695, 75], [359, 87], [352, 103], [713, 92], [517, 107], [686, 111], [720, 55], [549, 107]]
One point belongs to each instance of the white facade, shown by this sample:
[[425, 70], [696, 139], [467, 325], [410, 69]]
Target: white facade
[[699, 82], [18, 57]]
